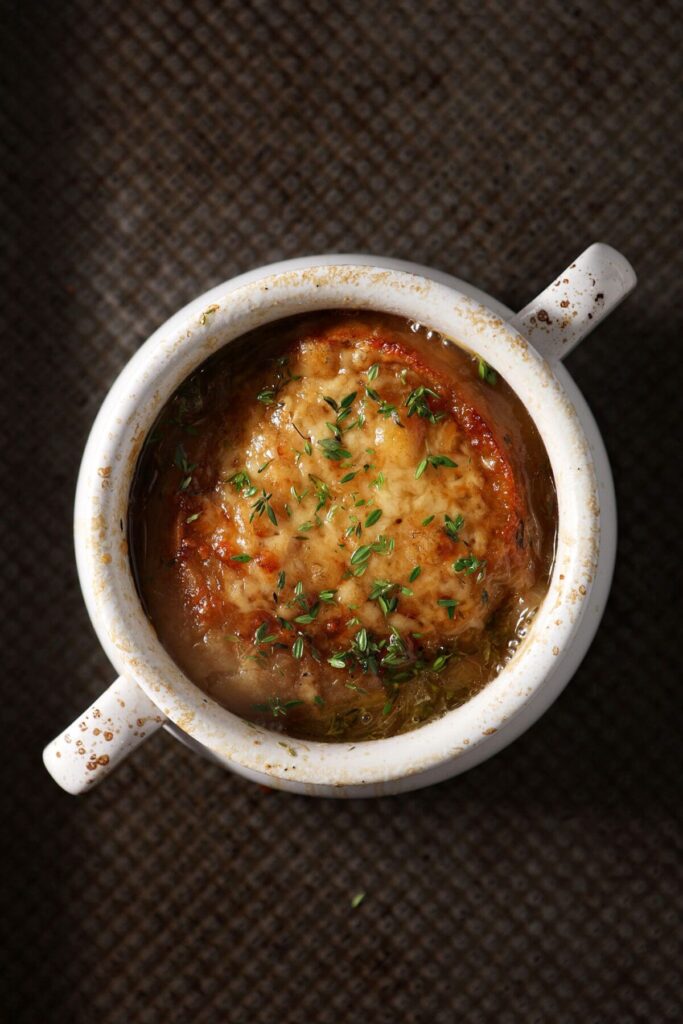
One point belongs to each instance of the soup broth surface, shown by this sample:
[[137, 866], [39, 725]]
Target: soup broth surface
[[342, 524]]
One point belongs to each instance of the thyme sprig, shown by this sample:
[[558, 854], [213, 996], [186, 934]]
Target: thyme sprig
[[262, 505], [418, 404]]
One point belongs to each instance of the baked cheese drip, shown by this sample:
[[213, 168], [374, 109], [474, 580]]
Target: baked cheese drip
[[336, 540]]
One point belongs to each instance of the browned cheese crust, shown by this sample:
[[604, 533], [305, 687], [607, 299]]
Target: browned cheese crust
[[338, 527]]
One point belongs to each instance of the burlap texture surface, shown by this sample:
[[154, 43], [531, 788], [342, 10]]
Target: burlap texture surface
[[154, 150]]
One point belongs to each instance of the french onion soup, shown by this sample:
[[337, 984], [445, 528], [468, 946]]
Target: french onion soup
[[342, 524]]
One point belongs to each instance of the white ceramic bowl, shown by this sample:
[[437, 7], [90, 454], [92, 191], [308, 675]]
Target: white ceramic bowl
[[526, 350]]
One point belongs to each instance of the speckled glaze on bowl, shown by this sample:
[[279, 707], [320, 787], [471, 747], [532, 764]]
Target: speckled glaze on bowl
[[526, 350]]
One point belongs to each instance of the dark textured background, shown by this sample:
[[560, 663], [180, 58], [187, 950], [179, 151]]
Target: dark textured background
[[152, 151]]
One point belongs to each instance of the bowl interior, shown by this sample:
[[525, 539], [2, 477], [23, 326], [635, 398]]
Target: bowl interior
[[182, 344]]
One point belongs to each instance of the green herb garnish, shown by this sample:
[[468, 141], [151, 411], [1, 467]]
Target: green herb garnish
[[298, 648], [486, 372], [453, 526], [240, 558], [440, 661], [450, 604], [193, 518], [415, 573], [276, 706], [333, 449], [470, 564], [322, 491], [373, 372], [241, 481], [262, 636], [436, 461], [373, 517], [267, 396], [262, 505], [309, 616], [181, 462], [427, 521], [418, 405]]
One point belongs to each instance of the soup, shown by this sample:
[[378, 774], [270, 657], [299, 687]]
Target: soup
[[342, 525]]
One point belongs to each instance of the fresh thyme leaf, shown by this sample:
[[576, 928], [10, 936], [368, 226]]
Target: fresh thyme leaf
[[440, 661], [333, 449], [265, 465], [276, 706], [357, 900], [327, 595], [379, 481], [418, 405], [322, 491], [388, 707], [450, 604], [262, 505], [319, 701], [347, 401], [262, 636], [361, 554], [415, 573], [385, 409], [181, 462], [298, 648], [356, 687], [486, 372], [331, 402], [441, 460], [374, 517], [337, 661], [470, 564], [348, 478], [310, 616], [427, 521], [305, 527], [281, 580], [193, 518], [373, 372], [435, 461], [371, 393], [266, 396], [240, 558], [308, 448], [453, 526], [385, 593]]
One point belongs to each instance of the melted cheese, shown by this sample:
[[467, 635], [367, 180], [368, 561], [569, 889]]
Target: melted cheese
[[263, 486]]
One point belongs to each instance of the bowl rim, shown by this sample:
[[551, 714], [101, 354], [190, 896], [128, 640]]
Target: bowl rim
[[213, 320]]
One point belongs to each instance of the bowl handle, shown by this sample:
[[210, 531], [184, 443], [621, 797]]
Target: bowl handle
[[99, 740], [576, 302]]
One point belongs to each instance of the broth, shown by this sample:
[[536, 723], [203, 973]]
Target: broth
[[342, 524]]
